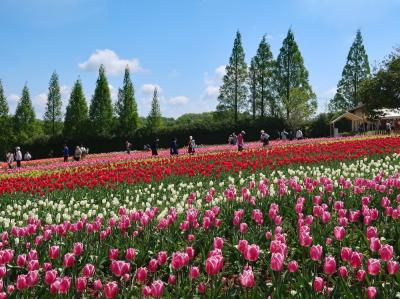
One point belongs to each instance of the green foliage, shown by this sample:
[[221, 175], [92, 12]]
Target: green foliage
[[154, 120], [101, 112], [76, 115], [253, 86], [126, 107], [53, 115], [264, 64], [3, 102], [24, 118], [382, 90], [296, 95], [354, 73], [233, 92]]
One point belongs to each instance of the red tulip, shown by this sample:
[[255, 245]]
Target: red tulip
[[361, 274], [171, 279], [97, 285]]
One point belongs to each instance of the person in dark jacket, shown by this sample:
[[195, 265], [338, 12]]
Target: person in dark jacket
[[174, 147], [66, 153], [154, 147]]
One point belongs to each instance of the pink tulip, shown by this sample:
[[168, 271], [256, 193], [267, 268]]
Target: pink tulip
[[374, 244], [10, 289], [50, 277], [242, 246], [373, 266], [119, 268], [190, 238], [65, 284], [162, 257], [111, 289], [252, 253], [268, 235], [343, 272], [318, 284], [201, 288], [97, 285], [371, 292], [179, 259], [243, 227], [146, 291], [218, 243], [141, 275], [21, 282], [361, 274], [339, 232], [293, 266], [356, 259], [113, 254], [69, 260], [392, 267], [329, 265], [32, 278], [214, 264], [345, 253], [153, 265], [47, 266], [21, 260], [157, 289], [54, 252], [3, 271], [88, 270], [78, 248], [190, 252], [316, 252], [33, 265], [3, 295], [81, 283], [171, 279], [247, 278], [386, 252], [194, 273], [277, 261]]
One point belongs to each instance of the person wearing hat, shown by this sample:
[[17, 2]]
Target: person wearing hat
[[240, 140], [18, 156], [264, 138], [191, 145]]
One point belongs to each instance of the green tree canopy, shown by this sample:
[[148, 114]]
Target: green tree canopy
[[24, 118], [154, 120], [265, 64], [292, 83], [76, 114], [253, 86], [382, 90], [126, 107], [354, 73], [53, 114], [101, 112], [3, 102], [233, 92]]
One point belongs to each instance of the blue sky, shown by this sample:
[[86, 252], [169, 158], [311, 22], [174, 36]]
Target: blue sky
[[179, 45]]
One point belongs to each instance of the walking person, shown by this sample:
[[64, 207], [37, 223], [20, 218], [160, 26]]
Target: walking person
[[10, 159], [128, 146], [299, 134], [77, 153], [154, 147], [174, 147], [65, 153], [27, 156], [234, 139], [284, 135], [240, 141], [191, 145], [388, 128], [18, 156], [264, 138]]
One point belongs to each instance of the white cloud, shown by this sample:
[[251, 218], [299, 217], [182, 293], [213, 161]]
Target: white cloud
[[149, 88], [65, 91], [212, 83], [330, 93], [113, 92], [40, 99], [111, 61], [13, 97], [179, 100]]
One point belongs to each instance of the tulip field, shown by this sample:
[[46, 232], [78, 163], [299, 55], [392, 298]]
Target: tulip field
[[303, 219]]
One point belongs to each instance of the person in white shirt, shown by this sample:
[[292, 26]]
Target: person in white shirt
[[10, 159], [27, 156], [18, 156], [299, 134]]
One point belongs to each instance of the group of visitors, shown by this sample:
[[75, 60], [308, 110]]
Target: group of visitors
[[17, 157], [238, 140], [284, 135], [79, 153]]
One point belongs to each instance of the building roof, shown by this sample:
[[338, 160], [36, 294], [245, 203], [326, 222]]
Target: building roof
[[388, 113], [349, 116]]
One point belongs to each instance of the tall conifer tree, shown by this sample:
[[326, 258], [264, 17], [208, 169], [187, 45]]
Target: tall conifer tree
[[24, 118], [126, 107], [76, 114], [264, 63], [253, 87], [292, 83], [154, 120], [101, 112], [233, 92], [53, 115], [3, 102], [354, 73]]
